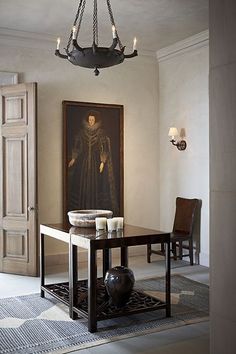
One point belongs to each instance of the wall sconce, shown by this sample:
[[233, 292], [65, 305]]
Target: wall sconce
[[181, 144]]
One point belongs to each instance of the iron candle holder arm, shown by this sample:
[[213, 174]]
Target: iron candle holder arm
[[58, 54], [114, 44], [132, 55], [75, 44]]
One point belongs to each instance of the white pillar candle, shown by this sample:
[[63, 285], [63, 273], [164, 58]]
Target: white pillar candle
[[100, 233], [101, 223], [111, 225], [135, 44], [120, 222], [119, 233]]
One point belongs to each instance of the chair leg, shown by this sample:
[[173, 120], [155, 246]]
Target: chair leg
[[191, 251], [163, 248], [180, 250], [149, 251], [174, 250]]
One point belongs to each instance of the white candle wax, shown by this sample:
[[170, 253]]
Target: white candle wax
[[73, 32], [58, 43], [111, 224], [101, 223], [120, 222], [113, 31], [135, 44]]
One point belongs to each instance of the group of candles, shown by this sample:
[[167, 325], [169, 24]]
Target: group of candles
[[114, 34], [113, 224]]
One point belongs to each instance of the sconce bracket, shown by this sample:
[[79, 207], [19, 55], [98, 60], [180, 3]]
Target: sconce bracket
[[181, 145]]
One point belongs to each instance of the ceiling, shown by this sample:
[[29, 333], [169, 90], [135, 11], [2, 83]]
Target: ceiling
[[156, 23]]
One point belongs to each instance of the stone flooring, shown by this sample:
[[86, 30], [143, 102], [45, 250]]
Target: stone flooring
[[192, 339]]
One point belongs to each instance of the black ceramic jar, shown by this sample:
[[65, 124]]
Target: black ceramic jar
[[119, 282]]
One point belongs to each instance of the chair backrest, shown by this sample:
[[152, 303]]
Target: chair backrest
[[184, 215]]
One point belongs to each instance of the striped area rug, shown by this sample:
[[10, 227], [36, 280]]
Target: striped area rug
[[30, 324]]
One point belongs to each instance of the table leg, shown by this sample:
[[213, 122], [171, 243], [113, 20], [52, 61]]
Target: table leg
[[42, 265], [106, 260], [92, 289], [73, 277], [124, 256], [167, 261]]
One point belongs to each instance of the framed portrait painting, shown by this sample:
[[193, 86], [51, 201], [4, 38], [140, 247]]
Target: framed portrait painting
[[93, 157]]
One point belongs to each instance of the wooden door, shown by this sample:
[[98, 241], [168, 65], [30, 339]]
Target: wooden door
[[18, 180]]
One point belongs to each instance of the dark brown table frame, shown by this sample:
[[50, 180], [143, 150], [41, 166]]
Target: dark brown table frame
[[71, 293]]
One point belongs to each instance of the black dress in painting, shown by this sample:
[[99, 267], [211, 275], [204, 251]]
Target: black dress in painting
[[91, 177]]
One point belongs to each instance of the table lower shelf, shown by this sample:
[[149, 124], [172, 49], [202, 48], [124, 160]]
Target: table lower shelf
[[139, 301]]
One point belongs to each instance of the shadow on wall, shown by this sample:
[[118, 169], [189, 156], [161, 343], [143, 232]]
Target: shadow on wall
[[182, 133]]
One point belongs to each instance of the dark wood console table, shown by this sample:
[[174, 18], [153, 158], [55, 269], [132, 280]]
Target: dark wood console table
[[88, 297]]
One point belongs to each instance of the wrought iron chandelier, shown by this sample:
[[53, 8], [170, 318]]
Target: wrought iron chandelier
[[95, 56]]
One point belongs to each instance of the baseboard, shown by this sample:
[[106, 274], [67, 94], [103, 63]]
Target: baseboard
[[63, 258], [204, 259]]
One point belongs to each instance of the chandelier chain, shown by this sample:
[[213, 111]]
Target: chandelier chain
[[79, 15], [113, 23], [95, 22], [80, 19]]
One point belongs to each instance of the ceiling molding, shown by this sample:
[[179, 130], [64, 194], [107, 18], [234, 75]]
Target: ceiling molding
[[191, 43], [14, 38]]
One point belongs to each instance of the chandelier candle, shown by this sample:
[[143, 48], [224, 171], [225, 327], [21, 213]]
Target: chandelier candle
[[113, 32], [58, 43], [94, 56], [73, 32], [135, 44]]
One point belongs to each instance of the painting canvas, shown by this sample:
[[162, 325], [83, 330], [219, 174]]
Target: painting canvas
[[93, 157]]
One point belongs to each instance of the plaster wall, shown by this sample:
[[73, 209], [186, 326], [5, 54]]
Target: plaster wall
[[132, 84], [222, 176], [183, 103]]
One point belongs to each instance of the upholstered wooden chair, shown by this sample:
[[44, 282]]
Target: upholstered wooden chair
[[182, 230]]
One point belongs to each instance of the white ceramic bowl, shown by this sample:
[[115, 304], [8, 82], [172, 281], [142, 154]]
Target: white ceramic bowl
[[86, 218]]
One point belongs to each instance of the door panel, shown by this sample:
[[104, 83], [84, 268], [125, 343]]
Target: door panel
[[15, 176], [18, 180], [14, 108], [15, 245]]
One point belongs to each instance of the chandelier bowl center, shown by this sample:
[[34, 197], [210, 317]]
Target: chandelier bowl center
[[101, 58]]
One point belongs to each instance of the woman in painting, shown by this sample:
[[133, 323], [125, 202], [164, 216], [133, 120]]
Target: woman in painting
[[91, 177]]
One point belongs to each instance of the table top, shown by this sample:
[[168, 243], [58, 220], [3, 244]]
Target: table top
[[88, 237]]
